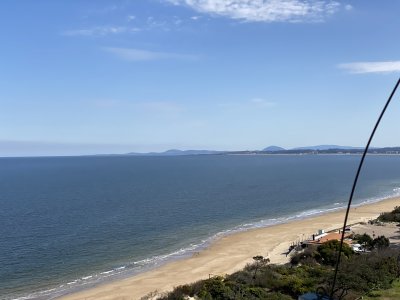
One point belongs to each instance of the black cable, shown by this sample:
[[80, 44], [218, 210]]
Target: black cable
[[355, 184]]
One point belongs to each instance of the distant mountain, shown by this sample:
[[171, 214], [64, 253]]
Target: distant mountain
[[273, 149], [327, 147], [320, 149], [177, 152]]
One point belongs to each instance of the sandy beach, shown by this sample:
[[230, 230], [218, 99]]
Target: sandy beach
[[231, 253]]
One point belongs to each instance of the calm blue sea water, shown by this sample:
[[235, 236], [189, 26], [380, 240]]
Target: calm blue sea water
[[71, 222]]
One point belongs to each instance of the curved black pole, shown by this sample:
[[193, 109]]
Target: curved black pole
[[355, 184]]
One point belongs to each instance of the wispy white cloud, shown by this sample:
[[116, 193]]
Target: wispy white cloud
[[262, 103], [372, 67], [131, 54], [158, 24], [100, 31], [348, 7], [266, 10], [177, 21]]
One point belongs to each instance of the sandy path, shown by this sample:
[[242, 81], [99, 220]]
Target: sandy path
[[229, 254]]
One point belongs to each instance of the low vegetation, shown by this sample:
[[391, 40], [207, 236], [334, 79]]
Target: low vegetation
[[393, 216], [368, 243], [309, 271], [390, 294]]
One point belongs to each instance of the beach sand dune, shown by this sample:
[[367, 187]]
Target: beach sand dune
[[230, 254]]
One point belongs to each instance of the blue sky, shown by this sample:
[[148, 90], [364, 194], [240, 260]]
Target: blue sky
[[81, 77]]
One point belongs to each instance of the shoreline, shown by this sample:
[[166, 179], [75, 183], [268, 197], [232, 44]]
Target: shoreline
[[231, 253]]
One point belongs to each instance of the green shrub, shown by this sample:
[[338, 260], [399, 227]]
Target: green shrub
[[328, 252], [363, 239], [393, 216], [358, 275], [380, 242], [216, 289]]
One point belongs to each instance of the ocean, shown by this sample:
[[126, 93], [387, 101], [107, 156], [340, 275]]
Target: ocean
[[68, 223]]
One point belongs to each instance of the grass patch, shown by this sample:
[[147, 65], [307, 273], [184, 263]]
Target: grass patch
[[389, 294]]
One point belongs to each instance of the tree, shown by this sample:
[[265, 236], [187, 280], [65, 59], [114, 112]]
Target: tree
[[259, 262], [327, 252], [381, 242], [216, 289], [363, 239]]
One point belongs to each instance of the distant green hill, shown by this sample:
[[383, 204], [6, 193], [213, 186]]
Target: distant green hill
[[274, 148]]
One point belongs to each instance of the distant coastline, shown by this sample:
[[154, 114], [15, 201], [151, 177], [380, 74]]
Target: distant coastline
[[270, 150], [274, 150]]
